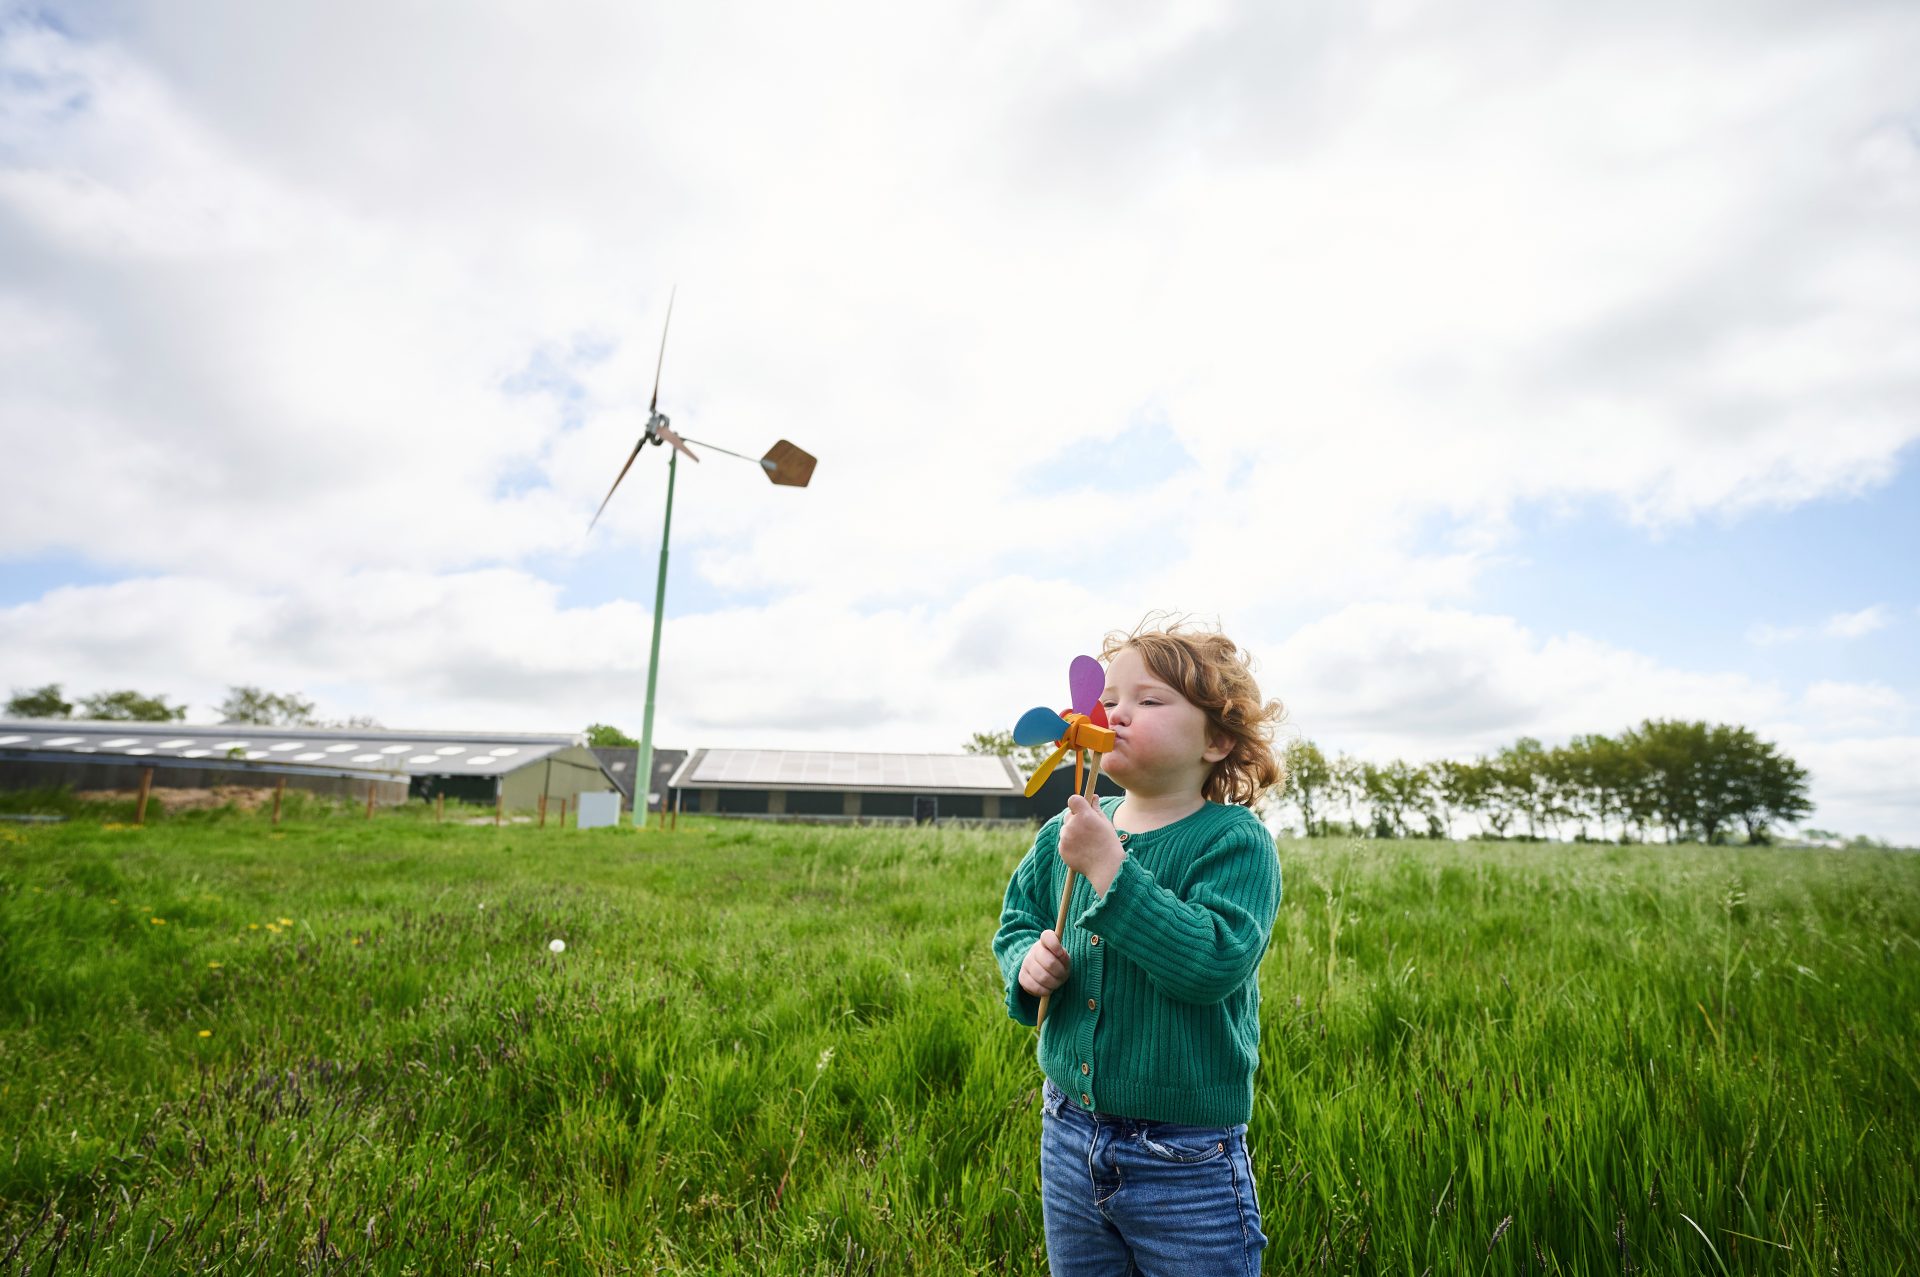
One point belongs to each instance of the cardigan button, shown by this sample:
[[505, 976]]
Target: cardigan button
[[1092, 1005], [1095, 940], [1085, 1068], [1086, 1099]]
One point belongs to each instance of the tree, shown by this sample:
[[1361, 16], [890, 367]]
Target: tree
[[39, 702], [129, 706], [1309, 777], [265, 709], [1025, 757], [353, 722], [1767, 787], [604, 736]]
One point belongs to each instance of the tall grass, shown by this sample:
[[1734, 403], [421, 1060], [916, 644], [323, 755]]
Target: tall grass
[[782, 1049]]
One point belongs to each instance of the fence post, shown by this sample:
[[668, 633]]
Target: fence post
[[146, 787], [543, 812], [279, 792], [499, 804], [563, 813], [439, 807], [370, 800]]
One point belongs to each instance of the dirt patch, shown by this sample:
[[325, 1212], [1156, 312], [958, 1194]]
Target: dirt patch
[[244, 797]]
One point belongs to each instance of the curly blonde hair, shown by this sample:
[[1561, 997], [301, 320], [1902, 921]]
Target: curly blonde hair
[[1210, 671]]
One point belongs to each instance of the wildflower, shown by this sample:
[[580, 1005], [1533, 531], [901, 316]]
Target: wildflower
[[206, 1033], [356, 939], [253, 926], [558, 946], [286, 922], [213, 966], [158, 922], [113, 900], [826, 1058]]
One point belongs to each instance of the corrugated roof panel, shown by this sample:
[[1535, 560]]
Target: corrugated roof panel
[[829, 769], [361, 751]]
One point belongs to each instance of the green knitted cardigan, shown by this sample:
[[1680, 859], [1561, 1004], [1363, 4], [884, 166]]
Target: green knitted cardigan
[[1160, 1015]]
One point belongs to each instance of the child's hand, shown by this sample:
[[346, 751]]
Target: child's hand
[[1045, 967], [1089, 845]]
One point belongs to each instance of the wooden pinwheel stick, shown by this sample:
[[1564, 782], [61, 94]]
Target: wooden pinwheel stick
[[1066, 896]]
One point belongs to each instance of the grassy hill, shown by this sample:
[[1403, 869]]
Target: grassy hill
[[780, 1049]]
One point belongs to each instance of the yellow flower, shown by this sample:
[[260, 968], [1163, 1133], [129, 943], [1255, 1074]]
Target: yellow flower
[[253, 926], [113, 900], [356, 939], [213, 966], [159, 922], [286, 922], [206, 1033]]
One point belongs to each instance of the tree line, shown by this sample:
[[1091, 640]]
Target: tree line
[[1684, 781], [243, 704]]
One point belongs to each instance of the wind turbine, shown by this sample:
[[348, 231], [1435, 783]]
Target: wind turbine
[[784, 464]]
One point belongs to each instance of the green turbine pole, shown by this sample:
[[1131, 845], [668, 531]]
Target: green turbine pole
[[643, 780]]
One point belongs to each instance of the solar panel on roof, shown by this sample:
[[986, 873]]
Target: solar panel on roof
[[833, 769]]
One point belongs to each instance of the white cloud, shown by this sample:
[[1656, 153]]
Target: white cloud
[[1837, 708], [1842, 625], [1856, 624]]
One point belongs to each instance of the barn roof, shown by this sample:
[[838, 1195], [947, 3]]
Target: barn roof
[[370, 753], [826, 769]]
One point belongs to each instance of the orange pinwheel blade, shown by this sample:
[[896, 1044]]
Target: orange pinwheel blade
[[1045, 770]]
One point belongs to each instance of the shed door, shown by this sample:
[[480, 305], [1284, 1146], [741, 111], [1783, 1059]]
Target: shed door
[[925, 809]]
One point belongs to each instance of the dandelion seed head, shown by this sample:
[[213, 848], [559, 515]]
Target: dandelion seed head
[[557, 945]]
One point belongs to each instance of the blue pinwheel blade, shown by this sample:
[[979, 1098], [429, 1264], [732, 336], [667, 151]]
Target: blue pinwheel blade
[[1038, 726], [1086, 680]]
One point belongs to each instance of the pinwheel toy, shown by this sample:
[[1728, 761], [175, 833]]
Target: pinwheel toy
[[1082, 729]]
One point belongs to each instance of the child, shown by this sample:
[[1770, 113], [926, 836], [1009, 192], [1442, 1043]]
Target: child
[[1153, 1028]]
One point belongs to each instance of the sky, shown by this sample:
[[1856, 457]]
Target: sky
[[1484, 370]]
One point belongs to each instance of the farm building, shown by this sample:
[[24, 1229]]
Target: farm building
[[773, 784], [620, 761], [516, 767]]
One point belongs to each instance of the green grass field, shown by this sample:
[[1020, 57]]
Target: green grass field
[[781, 1049]]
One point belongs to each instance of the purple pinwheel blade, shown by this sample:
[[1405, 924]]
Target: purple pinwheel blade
[[1038, 726], [1086, 680]]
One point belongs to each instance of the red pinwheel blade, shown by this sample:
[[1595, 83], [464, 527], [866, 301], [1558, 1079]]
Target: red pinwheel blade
[[1038, 726], [1098, 715], [1086, 680]]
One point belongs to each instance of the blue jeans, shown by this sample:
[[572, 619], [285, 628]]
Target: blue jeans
[[1122, 1195]]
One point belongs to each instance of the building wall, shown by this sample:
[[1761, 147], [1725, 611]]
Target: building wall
[[77, 775], [850, 805], [567, 773]]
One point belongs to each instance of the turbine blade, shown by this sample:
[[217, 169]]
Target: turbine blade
[[616, 483], [661, 362]]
